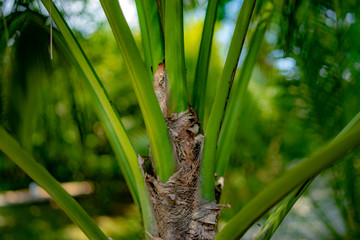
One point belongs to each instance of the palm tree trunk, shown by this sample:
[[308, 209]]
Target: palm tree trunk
[[178, 209]]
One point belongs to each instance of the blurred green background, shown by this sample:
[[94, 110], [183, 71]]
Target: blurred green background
[[304, 89]]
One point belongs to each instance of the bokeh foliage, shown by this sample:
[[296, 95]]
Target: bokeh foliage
[[303, 91]]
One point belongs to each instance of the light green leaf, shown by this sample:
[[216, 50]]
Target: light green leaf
[[151, 33], [283, 208], [154, 121], [275, 219], [237, 96], [175, 56], [217, 112], [321, 159], [202, 66], [40, 175], [118, 137]]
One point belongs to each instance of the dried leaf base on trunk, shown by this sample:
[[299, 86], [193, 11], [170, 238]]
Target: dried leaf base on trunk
[[178, 211]]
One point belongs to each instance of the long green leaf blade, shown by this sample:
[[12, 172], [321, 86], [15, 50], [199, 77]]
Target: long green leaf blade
[[274, 221], [321, 159], [154, 121], [354, 122], [237, 95], [283, 208], [119, 140], [151, 32], [39, 174], [161, 10], [155, 32], [212, 130], [145, 38], [118, 137], [202, 66], [175, 56]]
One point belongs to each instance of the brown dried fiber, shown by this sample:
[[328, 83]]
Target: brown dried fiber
[[178, 211]]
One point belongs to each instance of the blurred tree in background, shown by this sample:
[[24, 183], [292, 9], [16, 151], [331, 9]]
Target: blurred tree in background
[[304, 89]]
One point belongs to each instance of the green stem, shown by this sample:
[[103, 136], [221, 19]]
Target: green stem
[[321, 159], [161, 149], [274, 221], [175, 56], [202, 66], [161, 10], [354, 122], [40, 175], [145, 39], [217, 111], [114, 127], [237, 96], [151, 32], [118, 137]]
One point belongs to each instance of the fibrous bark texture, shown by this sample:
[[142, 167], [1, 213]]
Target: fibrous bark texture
[[178, 209]]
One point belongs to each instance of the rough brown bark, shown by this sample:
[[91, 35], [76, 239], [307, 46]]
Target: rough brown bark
[[178, 209]]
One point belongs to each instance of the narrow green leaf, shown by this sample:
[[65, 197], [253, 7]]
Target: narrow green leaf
[[274, 221], [155, 32], [118, 137], [114, 127], [151, 32], [202, 66], [154, 121], [145, 38], [39, 174], [321, 159], [354, 122], [237, 96], [217, 111], [175, 56], [161, 10]]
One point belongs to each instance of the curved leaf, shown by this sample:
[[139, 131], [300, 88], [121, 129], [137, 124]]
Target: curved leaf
[[154, 121], [40, 175], [275, 219], [119, 140], [321, 159], [217, 111]]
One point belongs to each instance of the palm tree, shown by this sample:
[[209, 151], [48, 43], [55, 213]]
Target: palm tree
[[179, 194]]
